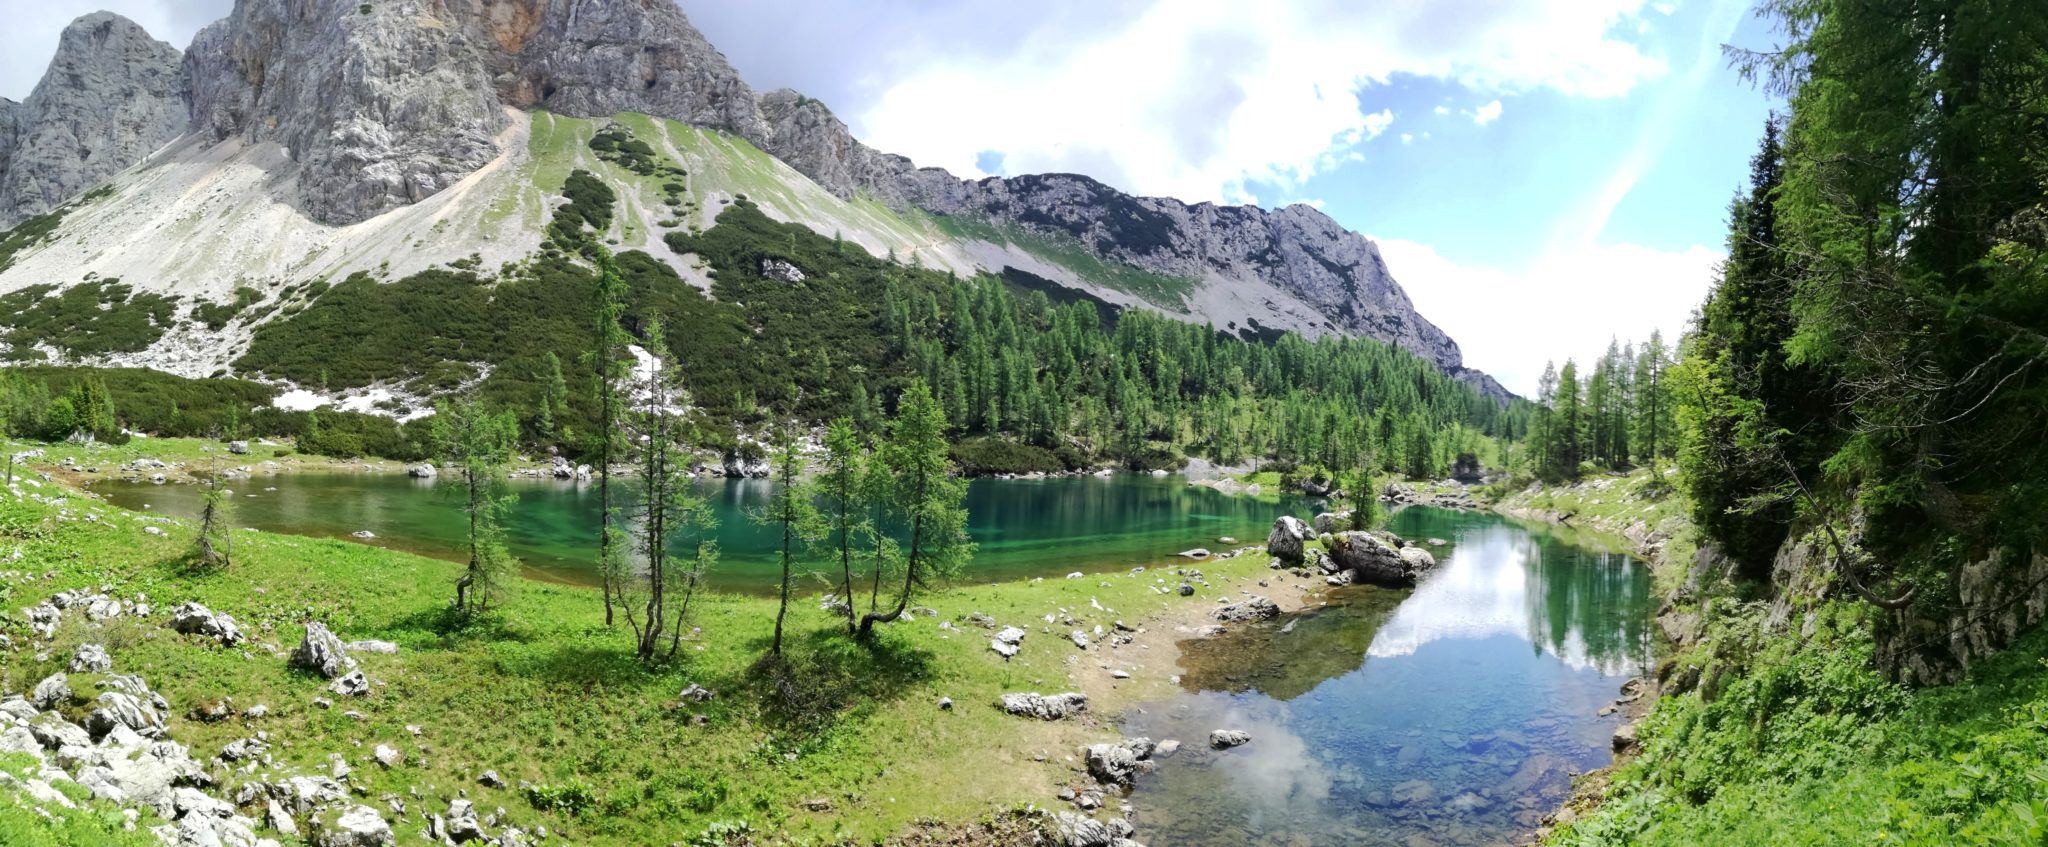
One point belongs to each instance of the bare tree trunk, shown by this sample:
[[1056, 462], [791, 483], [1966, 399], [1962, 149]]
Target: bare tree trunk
[[868, 621]]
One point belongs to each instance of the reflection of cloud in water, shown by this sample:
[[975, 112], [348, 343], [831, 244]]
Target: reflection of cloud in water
[[1274, 775], [1497, 581]]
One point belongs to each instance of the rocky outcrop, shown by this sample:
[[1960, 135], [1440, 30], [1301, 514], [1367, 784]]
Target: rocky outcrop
[[112, 96], [1380, 559], [378, 109], [321, 652], [1119, 762]]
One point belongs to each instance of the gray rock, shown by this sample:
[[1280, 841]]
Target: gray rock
[[1286, 541], [360, 826], [1079, 638], [112, 95], [91, 658], [371, 646], [239, 448], [16, 708], [1252, 609], [55, 733], [119, 708], [1380, 559], [1224, 739], [55, 689], [1332, 522], [422, 470], [1045, 707], [320, 652], [19, 739], [1625, 738], [461, 822], [351, 684], [195, 619], [1076, 830], [1119, 762]]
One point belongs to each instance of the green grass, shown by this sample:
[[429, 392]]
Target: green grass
[[543, 692], [1642, 504], [1802, 743]]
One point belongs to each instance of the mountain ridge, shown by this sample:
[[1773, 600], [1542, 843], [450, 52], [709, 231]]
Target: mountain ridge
[[380, 108]]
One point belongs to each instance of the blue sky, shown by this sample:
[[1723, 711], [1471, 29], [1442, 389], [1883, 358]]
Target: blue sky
[[1541, 175]]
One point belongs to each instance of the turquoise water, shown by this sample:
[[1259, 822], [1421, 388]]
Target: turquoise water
[[1454, 714], [1025, 528]]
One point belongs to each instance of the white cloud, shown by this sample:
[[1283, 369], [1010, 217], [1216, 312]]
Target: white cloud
[[1443, 110], [1487, 114], [1198, 98], [1407, 138], [1567, 305]]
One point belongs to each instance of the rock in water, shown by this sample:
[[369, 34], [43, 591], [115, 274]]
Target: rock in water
[[321, 652], [1118, 763], [1380, 559], [1287, 539], [1045, 707], [1254, 609], [1224, 739]]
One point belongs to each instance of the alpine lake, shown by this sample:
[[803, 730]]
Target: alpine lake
[[1455, 713]]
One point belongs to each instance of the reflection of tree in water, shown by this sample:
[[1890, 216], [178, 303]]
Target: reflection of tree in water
[[1585, 606], [1324, 644]]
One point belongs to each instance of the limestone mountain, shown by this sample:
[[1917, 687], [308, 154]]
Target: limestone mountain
[[112, 96], [298, 140]]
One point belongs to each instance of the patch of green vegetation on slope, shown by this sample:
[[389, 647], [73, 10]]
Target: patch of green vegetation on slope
[[543, 692], [217, 315], [1167, 292], [1787, 740], [89, 319]]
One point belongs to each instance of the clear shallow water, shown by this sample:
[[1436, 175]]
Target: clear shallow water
[[1452, 715], [1025, 528]]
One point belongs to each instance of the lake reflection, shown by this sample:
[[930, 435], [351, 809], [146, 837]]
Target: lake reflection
[[1455, 713]]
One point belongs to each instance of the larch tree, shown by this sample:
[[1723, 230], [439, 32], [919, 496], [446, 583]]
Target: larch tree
[[928, 499], [793, 511], [479, 444]]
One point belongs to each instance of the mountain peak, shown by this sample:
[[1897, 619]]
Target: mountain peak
[[112, 96]]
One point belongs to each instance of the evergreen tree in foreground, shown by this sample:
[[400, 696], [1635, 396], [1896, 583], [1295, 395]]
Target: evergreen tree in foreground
[[214, 545], [794, 511], [927, 498], [480, 445]]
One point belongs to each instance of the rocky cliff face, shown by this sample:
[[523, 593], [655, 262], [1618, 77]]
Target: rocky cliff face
[[382, 105], [111, 97]]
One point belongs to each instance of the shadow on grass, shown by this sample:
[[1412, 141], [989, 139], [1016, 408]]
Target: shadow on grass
[[824, 674], [454, 626]]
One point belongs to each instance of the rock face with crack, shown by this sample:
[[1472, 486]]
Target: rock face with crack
[[112, 96]]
